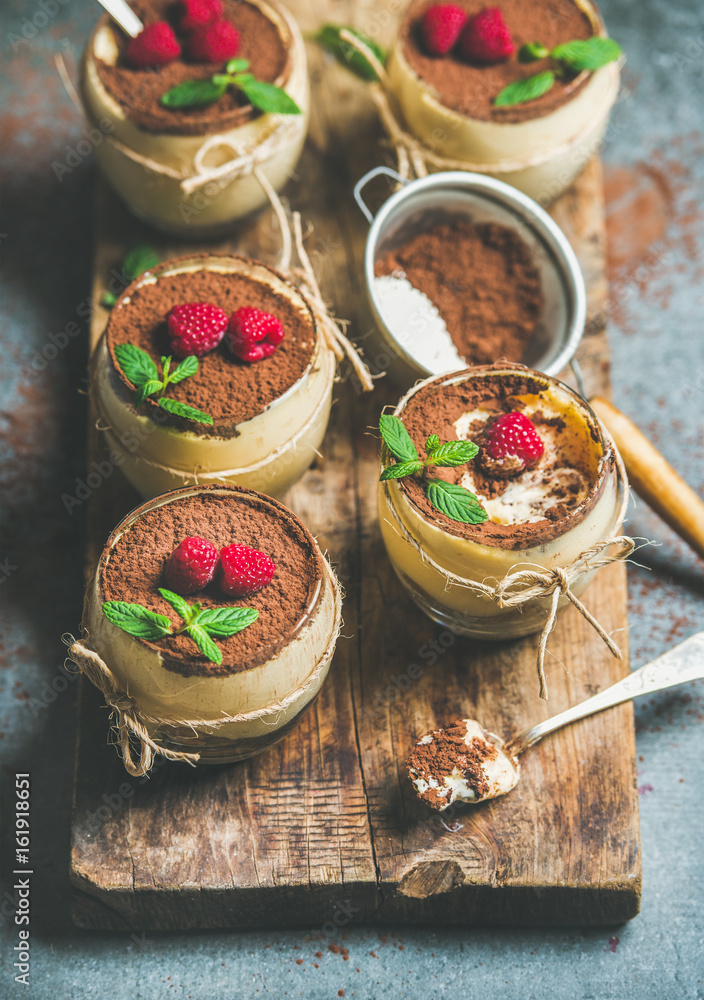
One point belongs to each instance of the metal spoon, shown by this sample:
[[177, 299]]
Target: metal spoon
[[498, 768], [682, 663], [122, 14]]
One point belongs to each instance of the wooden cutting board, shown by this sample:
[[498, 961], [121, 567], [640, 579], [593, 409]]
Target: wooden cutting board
[[324, 828]]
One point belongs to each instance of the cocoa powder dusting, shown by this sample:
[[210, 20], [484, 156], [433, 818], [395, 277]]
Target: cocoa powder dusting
[[483, 282], [133, 572], [138, 91], [230, 390], [471, 88], [446, 751], [435, 410]]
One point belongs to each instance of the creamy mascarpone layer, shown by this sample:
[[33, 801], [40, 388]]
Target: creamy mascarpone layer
[[530, 494], [499, 771], [268, 453], [271, 694], [275, 140]]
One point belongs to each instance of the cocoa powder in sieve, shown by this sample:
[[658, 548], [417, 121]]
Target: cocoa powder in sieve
[[483, 282]]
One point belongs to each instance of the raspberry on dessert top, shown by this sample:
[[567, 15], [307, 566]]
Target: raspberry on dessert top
[[538, 470], [152, 316], [140, 563], [139, 90], [469, 86]]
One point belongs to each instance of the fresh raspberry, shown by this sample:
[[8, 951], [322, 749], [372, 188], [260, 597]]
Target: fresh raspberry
[[486, 38], [214, 43], [156, 45], [244, 570], [441, 27], [191, 565], [197, 13], [512, 444], [195, 328], [254, 334]]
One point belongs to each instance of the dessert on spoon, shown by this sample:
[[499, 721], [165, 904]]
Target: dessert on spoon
[[464, 762]]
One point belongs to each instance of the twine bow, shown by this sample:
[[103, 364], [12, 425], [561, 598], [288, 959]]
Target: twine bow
[[129, 721]]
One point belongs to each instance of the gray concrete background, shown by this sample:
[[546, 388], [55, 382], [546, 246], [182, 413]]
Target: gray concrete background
[[655, 169]]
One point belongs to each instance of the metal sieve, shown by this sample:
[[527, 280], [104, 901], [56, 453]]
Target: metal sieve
[[441, 197]]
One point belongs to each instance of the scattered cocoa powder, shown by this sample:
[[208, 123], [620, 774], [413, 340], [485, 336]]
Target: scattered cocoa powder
[[230, 390], [447, 751], [435, 410], [133, 571], [470, 88], [483, 282], [138, 91]]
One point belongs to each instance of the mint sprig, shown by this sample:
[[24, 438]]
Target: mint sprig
[[453, 500], [201, 625], [329, 37], [570, 57], [265, 96], [140, 258], [143, 372]]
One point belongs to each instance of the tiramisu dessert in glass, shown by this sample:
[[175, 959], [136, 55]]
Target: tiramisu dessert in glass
[[521, 90], [210, 93], [486, 472], [215, 612], [212, 368]]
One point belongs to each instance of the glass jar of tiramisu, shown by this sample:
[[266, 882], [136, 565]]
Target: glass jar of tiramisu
[[449, 101], [543, 487], [256, 421], [264, 594], [191, 169]]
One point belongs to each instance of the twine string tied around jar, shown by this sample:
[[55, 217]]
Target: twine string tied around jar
[[519, 586]]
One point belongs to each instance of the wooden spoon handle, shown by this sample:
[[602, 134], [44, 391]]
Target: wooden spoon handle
[[653, 478]]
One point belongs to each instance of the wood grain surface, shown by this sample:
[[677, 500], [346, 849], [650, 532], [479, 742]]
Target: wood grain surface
[[324, 828]]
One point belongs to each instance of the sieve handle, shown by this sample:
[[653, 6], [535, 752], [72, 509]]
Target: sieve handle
[[362, 183]]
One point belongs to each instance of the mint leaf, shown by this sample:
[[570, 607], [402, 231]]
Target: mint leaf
[[204, 643], [184, 369], [329, 38], [136, 364], [140, 259], [237, 66], [432, 443], [148, 389], [400, 470], [532, 52], [587, 54], [397, 439], [180, 606], [525, 90], [456, 502], [182, 410], [108, 300], [453, 453], [222, 622], [193, 94], [268, 98], [137, 620]]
